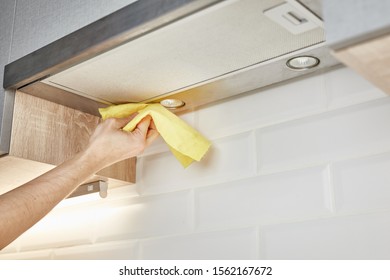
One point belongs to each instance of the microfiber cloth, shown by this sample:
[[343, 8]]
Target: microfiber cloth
[[186, 143]]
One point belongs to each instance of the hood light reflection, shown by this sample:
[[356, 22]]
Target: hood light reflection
[[172, 103], [302, 62]]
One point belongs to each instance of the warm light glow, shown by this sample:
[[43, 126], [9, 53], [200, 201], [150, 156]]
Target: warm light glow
[[172, 103]]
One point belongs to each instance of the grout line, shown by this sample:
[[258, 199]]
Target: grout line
[[316, 113], [283, 122], [324, 162], [331, 187], [327, 189], [50, 252], [258, 227], [215, 230], [216, 183], [192, 211], [299, 117], [258, 243], [276, 223], [255, 153], [258, 174]]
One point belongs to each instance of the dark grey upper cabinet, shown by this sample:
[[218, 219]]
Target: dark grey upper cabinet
[[349, 22], [6, 104]]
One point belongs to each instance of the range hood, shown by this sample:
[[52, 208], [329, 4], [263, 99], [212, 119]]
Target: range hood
[[197, 51]]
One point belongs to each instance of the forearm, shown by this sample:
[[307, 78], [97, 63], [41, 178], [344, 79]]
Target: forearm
[[22, 207]]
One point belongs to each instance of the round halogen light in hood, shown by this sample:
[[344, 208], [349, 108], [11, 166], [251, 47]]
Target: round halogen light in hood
[[172, 103], [302, 62]]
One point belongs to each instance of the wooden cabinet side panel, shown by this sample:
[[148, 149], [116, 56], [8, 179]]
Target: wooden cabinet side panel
[[371, 59], [50, 133], [123, 170], [15, 171]]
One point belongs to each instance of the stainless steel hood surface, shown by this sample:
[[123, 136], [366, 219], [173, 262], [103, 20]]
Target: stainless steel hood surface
[[227, 37], [196, 50]]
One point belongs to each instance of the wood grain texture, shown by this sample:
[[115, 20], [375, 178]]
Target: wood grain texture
[[50, 133], [123, 170], [15, 171], [371, 59]]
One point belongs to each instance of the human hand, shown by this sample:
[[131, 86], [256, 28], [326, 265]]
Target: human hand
[[110, 144]]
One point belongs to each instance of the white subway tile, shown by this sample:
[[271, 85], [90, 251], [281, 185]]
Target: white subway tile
[[362, 184], [31, 255], [351, 237], [144, 216], [264, 199], [340, 134], [62, 227], [235, 244], [345, 87], [263, 107], [107, 251], [228, 158]]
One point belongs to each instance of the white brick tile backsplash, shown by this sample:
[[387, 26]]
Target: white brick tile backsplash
[[295, 171], [128, 250], [351, 237], [263, 107], [362, 184], [61, 227], [264, 199], [344, 87], [227, 159], [235, 244], [144, 216], [335, 135], [31, 255]]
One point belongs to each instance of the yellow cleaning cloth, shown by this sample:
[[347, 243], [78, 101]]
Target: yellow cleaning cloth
[[186, 143]]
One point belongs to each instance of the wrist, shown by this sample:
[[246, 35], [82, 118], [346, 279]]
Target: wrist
[[91, 160]]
